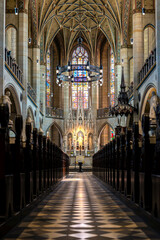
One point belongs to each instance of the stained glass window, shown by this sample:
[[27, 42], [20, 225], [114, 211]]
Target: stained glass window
[[112, 134], [112, 80], [48, 81], [80, 90]]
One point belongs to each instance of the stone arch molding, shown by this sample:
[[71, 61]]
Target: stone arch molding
[[30, 114], [14, 93], [112, 122], [58, 128], [148, 90]]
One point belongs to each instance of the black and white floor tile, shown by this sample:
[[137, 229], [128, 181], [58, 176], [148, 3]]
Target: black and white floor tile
[[81, 209]]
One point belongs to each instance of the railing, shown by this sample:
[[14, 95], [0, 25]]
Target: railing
[[102, 112], [31, 92], [150, 61], [54, 112], [13, 65]]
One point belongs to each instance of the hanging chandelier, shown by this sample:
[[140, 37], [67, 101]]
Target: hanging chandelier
[[79, 73], [123, 108]]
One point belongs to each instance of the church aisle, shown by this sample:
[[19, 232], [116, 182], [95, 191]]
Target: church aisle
[[81, 209]]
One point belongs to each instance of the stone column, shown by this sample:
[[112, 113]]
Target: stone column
[[65, 93], [43, 86], [138, 50], [2, 45], [118, 73], [65, 144], [157, 9], [126, 53], [95, 142], [36, 79], [23, 59]]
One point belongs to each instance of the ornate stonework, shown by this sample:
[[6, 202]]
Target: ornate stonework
[[126, 15]]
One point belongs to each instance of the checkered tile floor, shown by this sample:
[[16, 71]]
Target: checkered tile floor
[[81, 209]]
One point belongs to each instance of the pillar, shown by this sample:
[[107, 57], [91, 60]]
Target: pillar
[[105, 88], [126, 53], [23, 59], [2, 44], [65, 94], [138, 50], [36, 79], [157, 9], [118, 73]]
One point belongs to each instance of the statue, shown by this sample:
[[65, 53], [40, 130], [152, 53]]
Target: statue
[[30, 120], [152, 113], [69, 141], [90, 142], [153, 104], [6, 100]]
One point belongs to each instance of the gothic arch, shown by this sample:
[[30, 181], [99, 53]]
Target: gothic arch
[[102, 127], [57, 126], [84, 45], [13, 91], [145, 103], [150, 88], [55, 133], [11, 37], [30, 116]]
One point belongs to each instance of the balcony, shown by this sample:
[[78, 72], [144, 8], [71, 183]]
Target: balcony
[[54, 112], [147, 67], [31, 93], [102, 113], [13, 66]]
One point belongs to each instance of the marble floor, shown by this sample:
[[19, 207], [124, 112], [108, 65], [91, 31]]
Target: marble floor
[[81, 208]]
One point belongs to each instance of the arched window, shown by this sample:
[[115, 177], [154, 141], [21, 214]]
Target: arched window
[[80, 90], [48, 81], [11, 41], [149, 41]]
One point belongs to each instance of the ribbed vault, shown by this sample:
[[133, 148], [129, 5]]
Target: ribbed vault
[[74, 17]]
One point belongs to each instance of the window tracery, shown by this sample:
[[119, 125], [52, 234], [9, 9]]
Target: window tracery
[[112, 79], [80, 90], [48, 82]]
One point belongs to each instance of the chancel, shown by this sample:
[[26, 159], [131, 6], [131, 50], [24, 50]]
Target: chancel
[[80, 119]]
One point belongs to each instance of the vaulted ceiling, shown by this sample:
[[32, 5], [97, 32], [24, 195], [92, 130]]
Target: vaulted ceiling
[[74, 17], [71, 18]]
